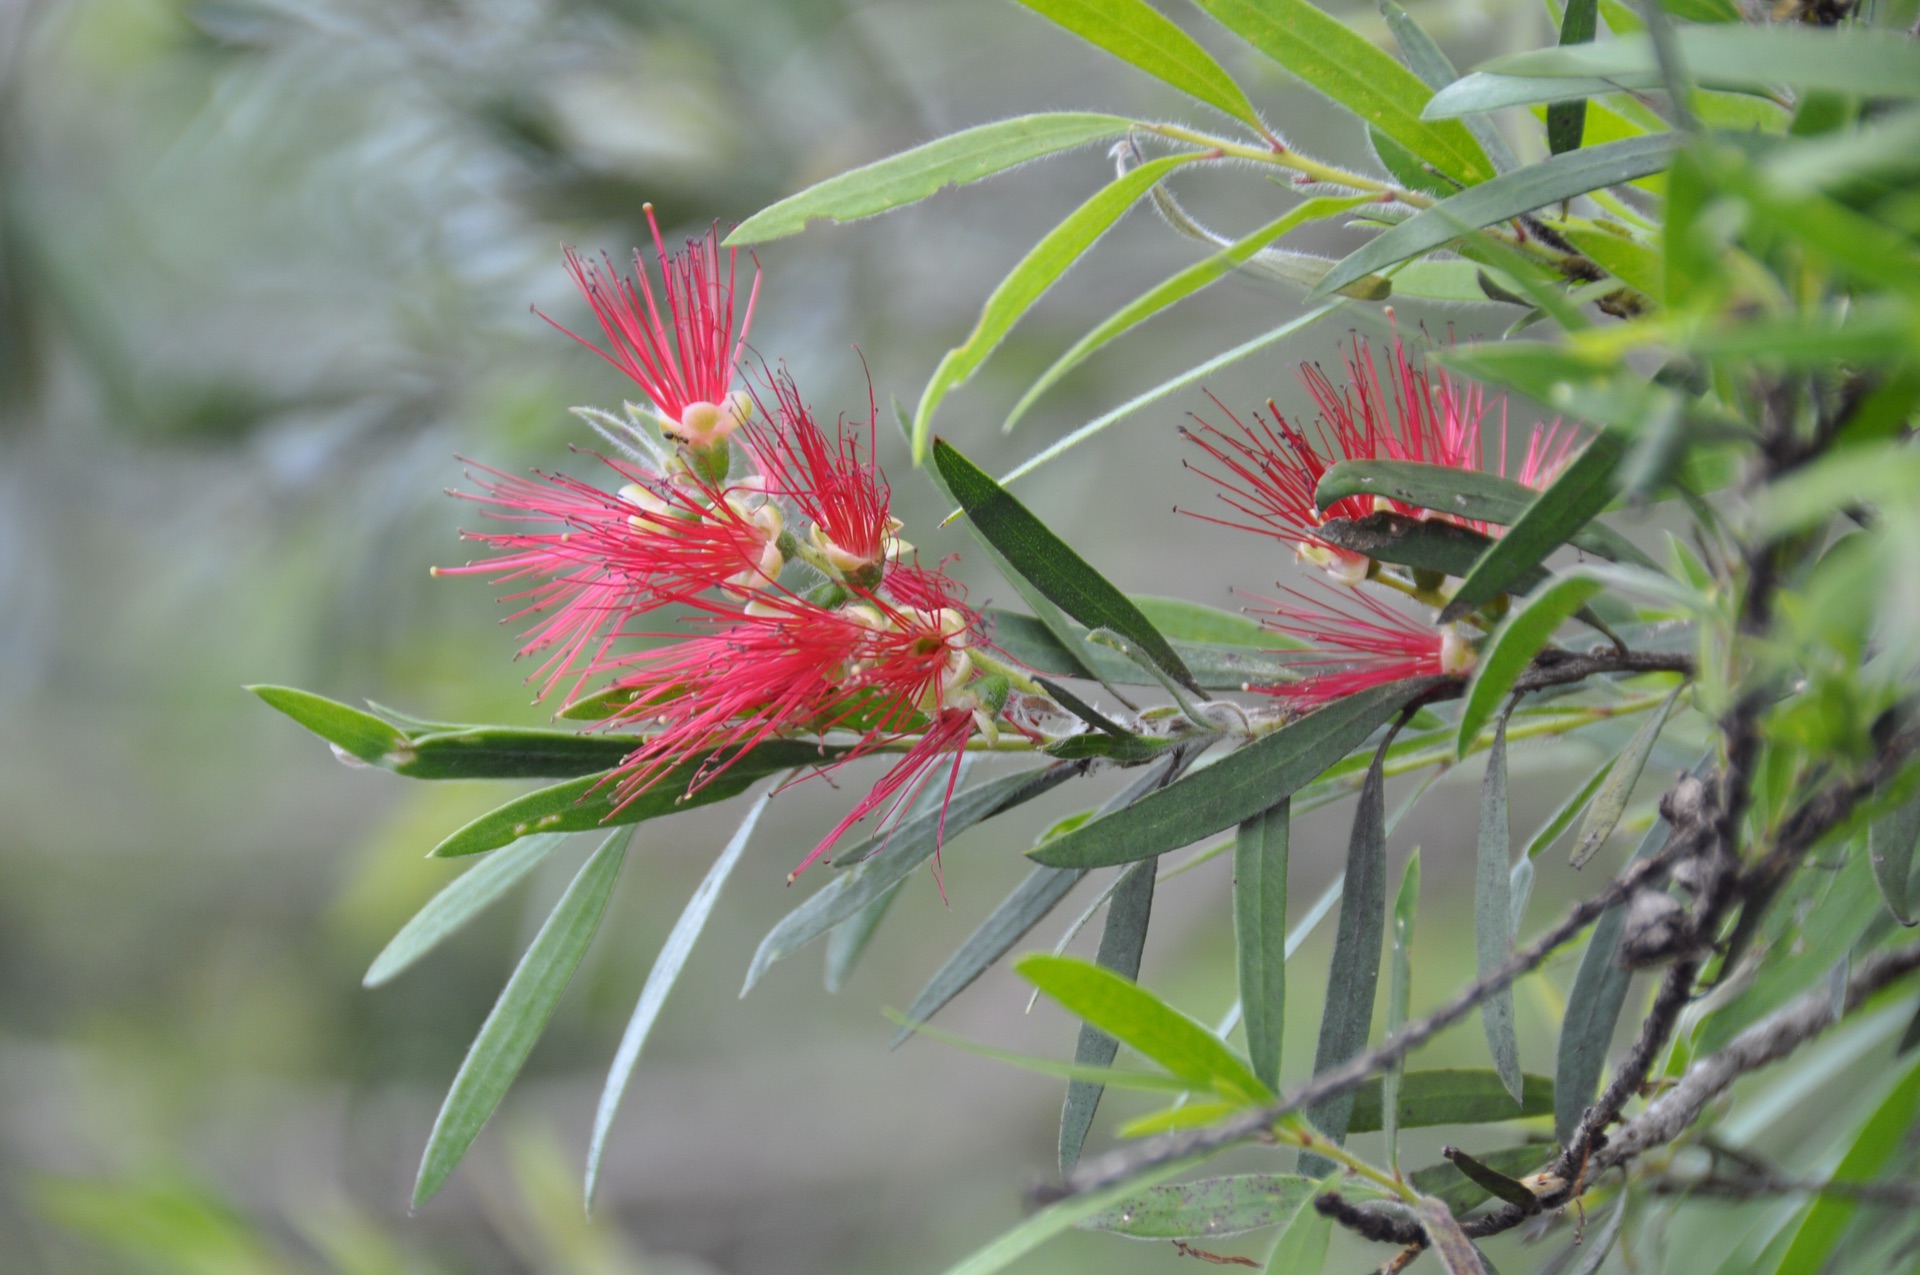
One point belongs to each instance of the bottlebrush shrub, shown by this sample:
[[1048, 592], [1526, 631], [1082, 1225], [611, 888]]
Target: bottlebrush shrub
[[1712, 273]]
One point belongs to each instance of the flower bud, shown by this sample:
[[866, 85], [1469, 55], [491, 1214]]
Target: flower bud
[[1457, 652], [1344, 565]]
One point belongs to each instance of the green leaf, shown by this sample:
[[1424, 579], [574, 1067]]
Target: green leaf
[[1593, 1008], [1462, 493], [469, 894], [499, 752], [1854, 60], [1407, 168], [1461, 1192], [1048, 563], [1184, 621], [1347, 67], [1880, 1138], [1406, 904], [1493, 911], [1450, 1244], [1567, 121], [1436, 71], [1501, 1186], [349, 730], [581, 805], [1206, 1208], [660, 980], [1535, 186], [885, 859], [1610, 802], [1036, 1230], [1144, 1022], [1561, 819], [519, 1016], [1234, 789], [1890, 843], [1175, 289], [1582, 490], [1113, 1077], [1122, 940], [1631, 262], [1216, 666], [1451, 1096], [1039, 270], [1137, 33], [1006, 925], [1302, 1249], [1260, 934], [847, 941], [927, 170], [1346, 1015], [1424, 544], [1512, 647], [1173, 385], [1871, 475]]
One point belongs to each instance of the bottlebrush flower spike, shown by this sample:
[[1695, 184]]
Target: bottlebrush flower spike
[[605, 558], [834, 482], [685, 360], [1361, 643]]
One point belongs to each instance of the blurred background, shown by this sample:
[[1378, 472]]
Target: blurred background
[[265, 269]]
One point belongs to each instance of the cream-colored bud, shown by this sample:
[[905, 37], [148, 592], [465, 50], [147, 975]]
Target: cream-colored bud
[[1345, 566], [843, 561], [653, 509], [1458, 654]]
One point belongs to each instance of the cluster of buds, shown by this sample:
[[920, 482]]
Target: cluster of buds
[[1268, 474], [797, 609]]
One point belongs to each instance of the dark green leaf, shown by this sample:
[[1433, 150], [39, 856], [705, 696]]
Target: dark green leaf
[[1459, 1191], [1234, 789], [1137, 33], [1492, 1180], [1535, 186], [1582, 490], [1260, 933], [926, 170], [1450, 1244], [499, 752], [1206, 1208], [1144, 1022], [1436, 71], [471, 892], [1610, 802], [1461, 493], [1038, 271], [1045, 560], [1451, 1096], [1493, 912], [1406, 905], [1347, 1011], [1121, 943], [1890, 842], [353, 732], [1405, 167], [883, 860], [1347, 67], [1512, 648], [519, 1016], [1567, 121], [660, 980], [1424, 544]]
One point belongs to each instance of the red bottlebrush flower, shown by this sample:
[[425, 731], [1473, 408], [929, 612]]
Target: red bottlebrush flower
[[1362, 643], [946, 737], [834, 482], [1269, 471], [684, 361], [605, 558]]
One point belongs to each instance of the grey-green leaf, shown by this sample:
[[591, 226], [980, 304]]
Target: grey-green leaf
[[1493, 912], [1122, 940], [1610, 802], [1890, 842], [926, 170], [1260, 932], [1406, 906], [469, 894], [1535, 186], [1450, 1244], [520, 1015], [1206, 1208], [660, 980]]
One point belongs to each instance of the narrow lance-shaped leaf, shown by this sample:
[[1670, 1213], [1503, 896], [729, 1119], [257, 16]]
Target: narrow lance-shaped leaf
[[1511, 649], [1045, 560], [1206, 1208], [1878, 1141], [1449, 1096], [1455, 1251], [660, 980], [1567, 121], [1355, 974], [1302, 1248], [1347, 67], [1427, 60], [1137, 33], [1890, 843], [1036, 1230], [1493, 912], [1610, 802], [1260, 933], [1582, 490], [1235, 788], [519, 1016], [1535, 186], [1122, 941], [1030, 279], [926, 170], [469, 894], [1406, 904]]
